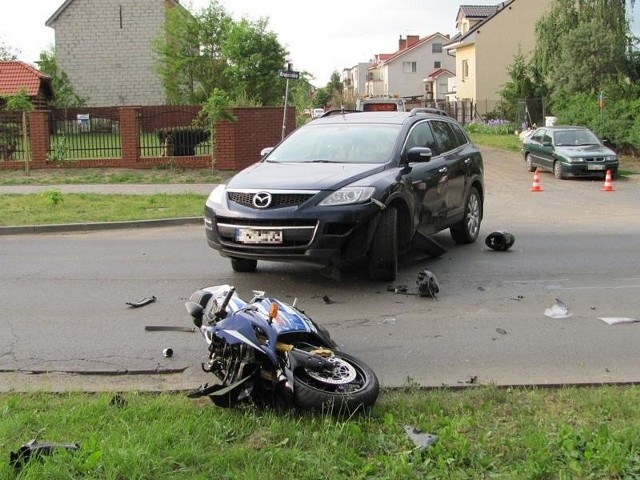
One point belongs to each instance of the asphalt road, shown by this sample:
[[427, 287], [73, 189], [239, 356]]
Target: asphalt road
[[65, 323]]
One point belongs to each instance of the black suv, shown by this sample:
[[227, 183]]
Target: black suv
[[351, 186]]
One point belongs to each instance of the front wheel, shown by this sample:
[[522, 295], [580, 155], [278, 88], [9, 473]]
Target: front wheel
[[350, 386], [467, 230], [557, 170]]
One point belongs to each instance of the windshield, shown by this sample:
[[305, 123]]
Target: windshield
[[338, 143], [575, 137]]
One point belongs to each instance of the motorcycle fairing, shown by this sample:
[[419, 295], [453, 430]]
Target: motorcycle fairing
[[288, 320], [239, 328]]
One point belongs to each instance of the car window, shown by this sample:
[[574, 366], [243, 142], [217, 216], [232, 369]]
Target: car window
[[461, 136], [339, 143], [421, 136], [444, 136]]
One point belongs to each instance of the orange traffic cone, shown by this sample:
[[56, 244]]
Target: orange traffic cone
[[608, 183], [536, 187]]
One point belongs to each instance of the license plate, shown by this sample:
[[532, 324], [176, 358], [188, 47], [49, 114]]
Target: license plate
[[595, 167], [250, 235]]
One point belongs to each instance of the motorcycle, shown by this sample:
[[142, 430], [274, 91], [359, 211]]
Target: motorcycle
[[269, 353]]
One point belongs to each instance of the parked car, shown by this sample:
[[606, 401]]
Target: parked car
[[317, 112], [568, 152], [348, 187]]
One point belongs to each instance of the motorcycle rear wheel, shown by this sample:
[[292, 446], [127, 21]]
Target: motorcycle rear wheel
[[334, 395]]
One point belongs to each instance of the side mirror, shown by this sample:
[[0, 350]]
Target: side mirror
[[419, 154], [196, 311], [265, 151]]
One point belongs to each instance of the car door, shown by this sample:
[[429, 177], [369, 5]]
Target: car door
[[458, 162], [542, 151], [426, 180]]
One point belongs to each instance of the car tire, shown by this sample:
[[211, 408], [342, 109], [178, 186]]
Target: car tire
[[557, 170], [467, 230], [529, 163], [383, 254], [243, 265]]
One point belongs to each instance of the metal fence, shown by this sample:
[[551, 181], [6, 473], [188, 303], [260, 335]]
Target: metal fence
[[12, 145], [88, 135], [173, 132]]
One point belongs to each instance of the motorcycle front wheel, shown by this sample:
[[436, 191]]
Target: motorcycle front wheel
[[351, 385]]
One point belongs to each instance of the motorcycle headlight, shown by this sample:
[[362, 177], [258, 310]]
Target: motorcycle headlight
[[216, 197], [348, 196]]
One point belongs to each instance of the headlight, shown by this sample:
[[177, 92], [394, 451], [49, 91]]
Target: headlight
[[611, 158], [575, 159], [348, 196], [217, 195]]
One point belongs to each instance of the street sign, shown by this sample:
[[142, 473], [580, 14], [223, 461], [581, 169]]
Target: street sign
[[289, 74]]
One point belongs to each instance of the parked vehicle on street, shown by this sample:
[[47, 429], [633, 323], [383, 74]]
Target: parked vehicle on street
[[380, 104], [269, 354], [349, 187], [317, 112], [568, 152]]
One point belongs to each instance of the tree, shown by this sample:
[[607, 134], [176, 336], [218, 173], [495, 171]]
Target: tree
[[20, 102], [7, 53], [65, 94], [254, 58]]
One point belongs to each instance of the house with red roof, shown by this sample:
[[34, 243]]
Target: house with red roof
[[16, 76], [403, 73]]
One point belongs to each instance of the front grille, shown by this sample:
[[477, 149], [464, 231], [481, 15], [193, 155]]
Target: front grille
[[278, 223], [594, 159], [278, 200]]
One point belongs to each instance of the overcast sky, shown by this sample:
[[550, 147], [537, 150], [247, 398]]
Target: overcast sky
[[321, 37]]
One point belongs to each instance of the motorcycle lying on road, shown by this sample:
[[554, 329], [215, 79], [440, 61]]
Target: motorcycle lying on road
[[270, 354]]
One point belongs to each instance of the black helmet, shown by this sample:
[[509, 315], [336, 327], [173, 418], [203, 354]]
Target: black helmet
[[500, 240]]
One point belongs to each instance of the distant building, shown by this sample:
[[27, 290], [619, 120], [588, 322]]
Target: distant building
[[107, 49], [16, 76], [354, 81]]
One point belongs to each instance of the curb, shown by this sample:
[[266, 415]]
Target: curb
[[86, 227]]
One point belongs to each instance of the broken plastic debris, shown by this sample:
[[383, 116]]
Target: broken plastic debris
[[168, 328], [616, 320], [397, 289], [143, 302], [33, 449], [420, 439], [327, 300], [427, 284], [558, 310]]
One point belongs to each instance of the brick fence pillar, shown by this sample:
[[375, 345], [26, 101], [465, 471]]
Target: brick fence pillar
[[39, 137], [129, 136]]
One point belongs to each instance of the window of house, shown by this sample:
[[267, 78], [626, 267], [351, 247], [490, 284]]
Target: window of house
[[465, 68], [437, 64], [409, 67], [436, 48]]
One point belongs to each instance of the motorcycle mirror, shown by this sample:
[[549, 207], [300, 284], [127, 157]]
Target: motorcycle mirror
[[273, 312], [196, 311]]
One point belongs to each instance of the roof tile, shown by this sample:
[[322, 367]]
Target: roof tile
[[16, 75]]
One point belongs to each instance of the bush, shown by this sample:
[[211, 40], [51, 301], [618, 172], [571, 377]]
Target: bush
[[181, 141], [492, 127]]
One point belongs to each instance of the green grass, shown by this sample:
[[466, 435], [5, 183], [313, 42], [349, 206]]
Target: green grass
[[483, 432], [54, 207]]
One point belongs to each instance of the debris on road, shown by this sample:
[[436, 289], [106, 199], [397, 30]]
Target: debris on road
[[143, 302], [168, 328], [33, 449], [427, 284], [397, 289], [617, 320], [501, 331], [167, 352], [558, 310], [327, 300], [500, 241], [421, 440]]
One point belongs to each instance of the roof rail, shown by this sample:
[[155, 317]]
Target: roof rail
[[435, 111], [338, 112]]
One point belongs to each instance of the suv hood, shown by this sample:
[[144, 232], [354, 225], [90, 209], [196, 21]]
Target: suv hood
[[301, 176]]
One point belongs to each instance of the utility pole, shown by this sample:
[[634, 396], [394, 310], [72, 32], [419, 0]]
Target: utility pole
[[289, 73]]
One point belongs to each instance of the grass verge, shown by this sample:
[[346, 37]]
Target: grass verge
[[483, 432], [54, 207]]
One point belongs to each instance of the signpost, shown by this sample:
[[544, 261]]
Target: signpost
[[288, 74]]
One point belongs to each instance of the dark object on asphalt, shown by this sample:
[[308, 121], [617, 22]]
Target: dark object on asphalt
[[420, 439], [33, 449], [427, 284], [327, 300], [397, 289], [168, 352], [143, 302], [359, 187], [168, 328], [500, 240]]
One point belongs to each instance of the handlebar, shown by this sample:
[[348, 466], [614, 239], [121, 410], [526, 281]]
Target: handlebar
[[222, 310]]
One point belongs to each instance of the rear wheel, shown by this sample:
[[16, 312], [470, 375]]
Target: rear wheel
[[243, 264], [529, 163], [467, 230], [383, 255], [348, 387]]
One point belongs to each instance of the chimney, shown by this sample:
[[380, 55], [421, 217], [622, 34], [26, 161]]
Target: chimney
[[402, 43], [412, 40]]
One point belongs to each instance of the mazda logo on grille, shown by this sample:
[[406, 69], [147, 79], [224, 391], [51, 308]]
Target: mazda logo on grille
[[262, 200]]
